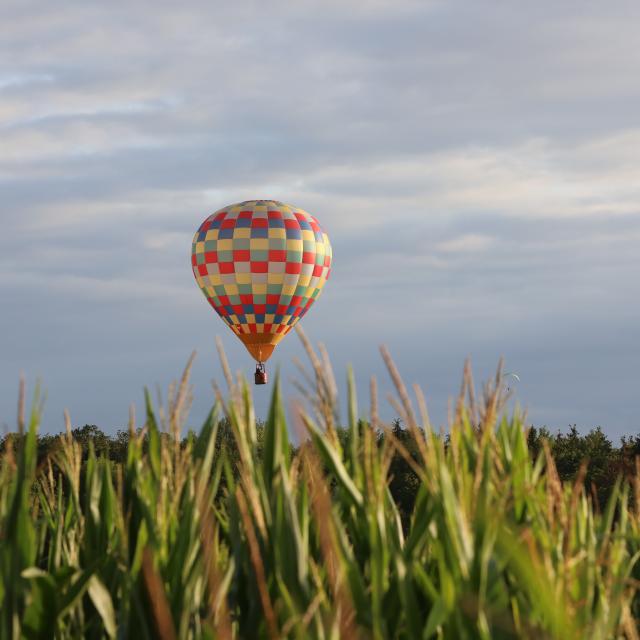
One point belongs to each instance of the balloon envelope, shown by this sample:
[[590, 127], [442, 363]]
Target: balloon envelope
[[261, 264]]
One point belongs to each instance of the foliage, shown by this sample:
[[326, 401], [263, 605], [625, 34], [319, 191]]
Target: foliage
[[570, 450], [228, 534]]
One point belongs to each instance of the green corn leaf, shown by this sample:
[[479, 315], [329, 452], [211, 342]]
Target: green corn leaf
[[101, 599], [332, 459], [354, 428], [154, 436], [276, 439]]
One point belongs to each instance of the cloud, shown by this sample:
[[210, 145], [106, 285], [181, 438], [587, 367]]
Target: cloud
[[23, 79], [466, 243]]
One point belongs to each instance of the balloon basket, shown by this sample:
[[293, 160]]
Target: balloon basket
[[261, 374]]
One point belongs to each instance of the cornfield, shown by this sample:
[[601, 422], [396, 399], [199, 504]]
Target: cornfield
[[182, 541]]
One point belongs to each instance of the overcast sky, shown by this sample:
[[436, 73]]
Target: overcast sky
[[476, 165]]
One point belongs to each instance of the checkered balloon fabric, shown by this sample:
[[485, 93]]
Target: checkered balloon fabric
[[261, 264]]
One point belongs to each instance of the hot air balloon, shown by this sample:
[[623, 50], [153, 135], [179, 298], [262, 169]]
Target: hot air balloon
[[261, 264]]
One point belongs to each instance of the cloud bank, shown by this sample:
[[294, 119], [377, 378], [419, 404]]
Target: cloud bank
[[477, 168]]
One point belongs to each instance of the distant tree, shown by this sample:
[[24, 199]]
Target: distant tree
[[118, 446], [47, 444], [603, 465], [535, 437], [404, 482], [90, 433], [570, 449]]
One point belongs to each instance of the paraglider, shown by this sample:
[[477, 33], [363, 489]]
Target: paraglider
[[261, 264], [515, 377]]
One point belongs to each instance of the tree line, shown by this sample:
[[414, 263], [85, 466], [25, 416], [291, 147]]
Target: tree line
[[602, 460]]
